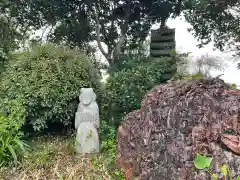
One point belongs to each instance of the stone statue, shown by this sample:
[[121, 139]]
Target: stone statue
[[87, 123]]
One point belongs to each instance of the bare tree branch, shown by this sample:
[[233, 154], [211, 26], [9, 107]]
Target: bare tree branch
[[112, 53], [105, 54], [205, 63]]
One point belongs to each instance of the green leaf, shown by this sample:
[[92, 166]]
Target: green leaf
[[60, 177], [214, 176], [238, 178], [21, 144], [224, 169], [14, 155], [202, 162], [234, 86]]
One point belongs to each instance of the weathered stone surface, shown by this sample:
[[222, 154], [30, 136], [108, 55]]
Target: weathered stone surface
[[87, 122], [87, 138], [176, 121]]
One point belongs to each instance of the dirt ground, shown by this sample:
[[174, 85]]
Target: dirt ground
[[53, 158]]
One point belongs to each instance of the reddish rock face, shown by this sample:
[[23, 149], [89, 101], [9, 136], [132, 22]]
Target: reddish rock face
[[176, 121]]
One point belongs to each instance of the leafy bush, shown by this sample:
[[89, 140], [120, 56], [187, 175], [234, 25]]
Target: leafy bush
[[108, 148], [108, 142], [125, 88], [11, 119], [49, 78]]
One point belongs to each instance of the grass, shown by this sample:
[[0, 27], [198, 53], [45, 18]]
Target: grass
[[54, 158]]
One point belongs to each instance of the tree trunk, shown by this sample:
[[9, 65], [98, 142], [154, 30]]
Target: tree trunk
[[113, 55]]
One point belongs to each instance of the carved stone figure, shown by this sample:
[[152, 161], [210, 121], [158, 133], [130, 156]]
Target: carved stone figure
[[87, 123]]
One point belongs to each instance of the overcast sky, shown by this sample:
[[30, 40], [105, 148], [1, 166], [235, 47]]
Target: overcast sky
[[185, 42]]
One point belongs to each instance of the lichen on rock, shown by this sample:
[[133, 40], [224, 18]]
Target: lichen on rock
[[175, 122]]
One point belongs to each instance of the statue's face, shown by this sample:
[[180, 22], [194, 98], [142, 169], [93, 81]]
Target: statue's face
[[86, 96]]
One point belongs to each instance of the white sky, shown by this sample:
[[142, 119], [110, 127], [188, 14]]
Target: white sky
[[185, 42]]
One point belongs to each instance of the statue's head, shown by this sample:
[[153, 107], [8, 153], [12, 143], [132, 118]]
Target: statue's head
[[87, 96]]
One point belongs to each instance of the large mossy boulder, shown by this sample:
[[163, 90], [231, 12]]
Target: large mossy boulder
[[175, 122]]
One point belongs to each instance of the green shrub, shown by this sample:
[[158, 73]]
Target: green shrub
[[108, 148], [49, 78], [126, 88], [11, 119], [108, 142]]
